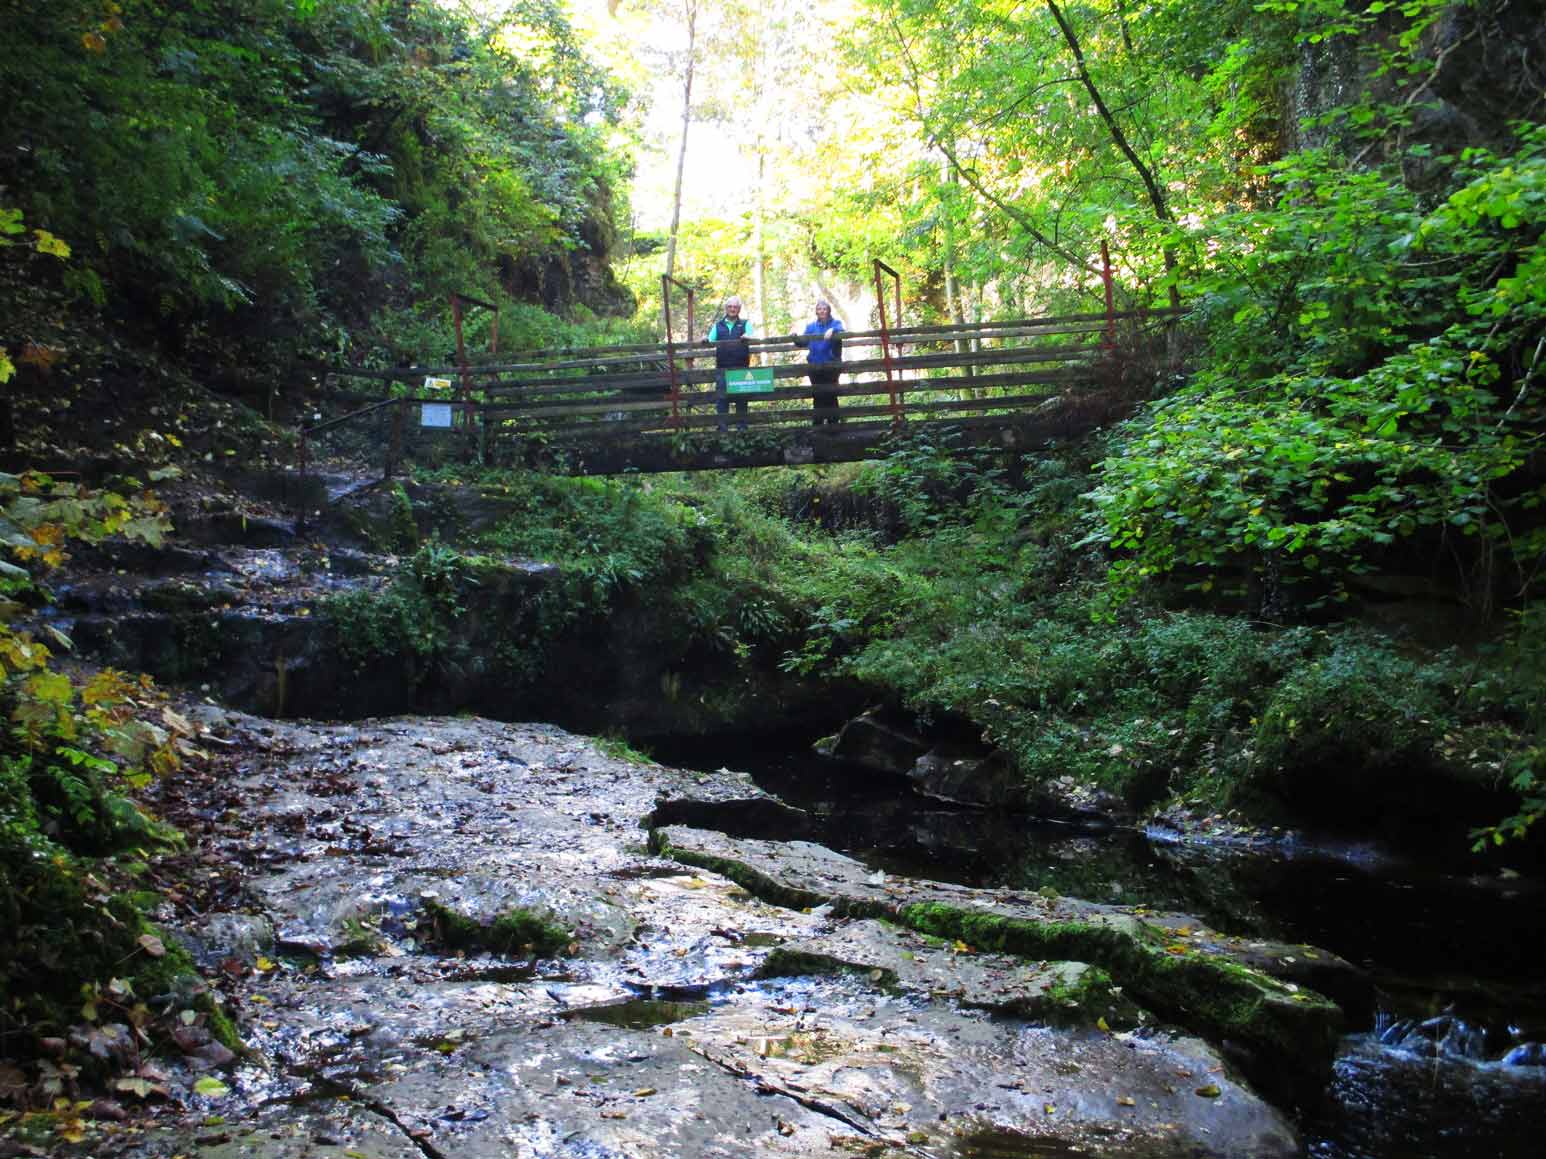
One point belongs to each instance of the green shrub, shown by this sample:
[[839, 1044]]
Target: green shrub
[[1358, 706]]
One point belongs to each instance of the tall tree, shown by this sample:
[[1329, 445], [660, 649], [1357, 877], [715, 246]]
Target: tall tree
[[689, 65], [1119, 138]]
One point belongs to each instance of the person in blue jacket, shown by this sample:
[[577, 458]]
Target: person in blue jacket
[[729, 335], [824, 336]]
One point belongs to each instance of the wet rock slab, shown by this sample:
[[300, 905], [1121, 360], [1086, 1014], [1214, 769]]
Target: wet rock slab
[[1212, 983], [683, 1016], [898, 959]]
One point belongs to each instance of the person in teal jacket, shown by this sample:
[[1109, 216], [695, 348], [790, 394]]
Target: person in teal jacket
[[732, 351]]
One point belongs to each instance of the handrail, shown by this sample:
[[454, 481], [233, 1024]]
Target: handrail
[[354, 414], [645, 353], [318, 428]]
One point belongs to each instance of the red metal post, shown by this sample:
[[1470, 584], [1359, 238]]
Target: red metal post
[[666, 282], [885, 334], [1110, 342], [464, 369], [456, 321]]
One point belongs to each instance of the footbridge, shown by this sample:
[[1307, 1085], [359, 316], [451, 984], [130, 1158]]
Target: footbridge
[[1019, 384]]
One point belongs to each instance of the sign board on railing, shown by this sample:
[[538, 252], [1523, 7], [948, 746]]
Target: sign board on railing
[[758, 381], [436, 414]]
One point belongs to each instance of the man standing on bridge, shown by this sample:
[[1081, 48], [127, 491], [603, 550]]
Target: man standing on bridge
[[729, 335]]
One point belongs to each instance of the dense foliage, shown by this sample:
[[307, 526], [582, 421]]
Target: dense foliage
[[254, 183], [1351, 214], [72, 750]]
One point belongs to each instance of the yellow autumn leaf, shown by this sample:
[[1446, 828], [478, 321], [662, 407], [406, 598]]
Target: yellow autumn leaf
[[47, 243]]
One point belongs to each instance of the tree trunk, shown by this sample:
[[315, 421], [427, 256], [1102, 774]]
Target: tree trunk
[[952, 284], [1145, 174], [764, 87], [760, 260], [691, 8]]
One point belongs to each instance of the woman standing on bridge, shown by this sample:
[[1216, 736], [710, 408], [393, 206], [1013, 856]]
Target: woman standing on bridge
[[824, 336]]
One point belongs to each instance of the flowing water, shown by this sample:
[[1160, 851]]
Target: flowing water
[[1448, 1061]]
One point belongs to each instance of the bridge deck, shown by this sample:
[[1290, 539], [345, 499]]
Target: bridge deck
[[1018, 384]]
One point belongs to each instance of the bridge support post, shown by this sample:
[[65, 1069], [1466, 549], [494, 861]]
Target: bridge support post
[[395, 443], [666, 282], [892, 378], [1109, 343]]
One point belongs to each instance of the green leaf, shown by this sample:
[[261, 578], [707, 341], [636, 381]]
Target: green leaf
[[47, 243]]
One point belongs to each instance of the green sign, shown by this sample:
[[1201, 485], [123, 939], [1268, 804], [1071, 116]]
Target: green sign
[[759, 381]]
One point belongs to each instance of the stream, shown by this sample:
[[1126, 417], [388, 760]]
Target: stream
[[1439, 1065]]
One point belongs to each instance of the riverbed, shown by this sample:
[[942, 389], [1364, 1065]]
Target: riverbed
[[1454, 953]]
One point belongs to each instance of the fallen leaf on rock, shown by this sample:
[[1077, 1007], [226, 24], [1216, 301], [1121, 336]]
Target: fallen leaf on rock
[[151, 945], [140, 1088], [210, 1087], [1127, 1101], [1211, 1091], [644, 1092]]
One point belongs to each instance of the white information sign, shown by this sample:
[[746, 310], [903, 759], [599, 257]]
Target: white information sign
[[435, 414], [437, 384]]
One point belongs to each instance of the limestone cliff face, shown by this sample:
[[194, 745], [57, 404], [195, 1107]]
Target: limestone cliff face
[[1486, 68], [581, 276]]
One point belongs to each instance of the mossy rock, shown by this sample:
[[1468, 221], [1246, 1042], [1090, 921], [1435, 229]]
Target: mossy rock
[[1200, 980], [514, 932]]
